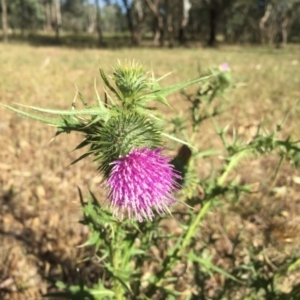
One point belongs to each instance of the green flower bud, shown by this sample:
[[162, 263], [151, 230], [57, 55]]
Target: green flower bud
[[119, 135], [131, 80]]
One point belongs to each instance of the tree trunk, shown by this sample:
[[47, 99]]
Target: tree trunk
[[159, 36], [98, 23], [135, 17], [48, 16], [128, 16], [159, 23], [262, 23], [57, 18], [21, 16], [213, 17], [4, 21], [170, 27], [285, 29], [92, 14], [186, 6], [138, 18]]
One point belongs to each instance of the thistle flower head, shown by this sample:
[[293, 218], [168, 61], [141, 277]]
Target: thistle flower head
[[224, 67], [131, 80], [119, 135], [140, 182]]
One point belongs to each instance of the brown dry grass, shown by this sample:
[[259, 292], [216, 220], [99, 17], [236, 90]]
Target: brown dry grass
[[39, 204]]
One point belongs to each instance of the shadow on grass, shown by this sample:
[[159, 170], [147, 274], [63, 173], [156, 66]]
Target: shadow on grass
[[61, 265], [77, 41], [116, 41]]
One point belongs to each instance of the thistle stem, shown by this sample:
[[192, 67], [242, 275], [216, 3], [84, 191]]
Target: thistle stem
[[115, 263]]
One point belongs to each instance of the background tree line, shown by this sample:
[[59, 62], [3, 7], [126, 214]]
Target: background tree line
[[167, 22]]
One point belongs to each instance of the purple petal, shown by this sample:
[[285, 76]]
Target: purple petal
[[224, 67], [141, 182]]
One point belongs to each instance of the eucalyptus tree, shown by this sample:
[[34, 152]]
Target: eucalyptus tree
[[98, 22], [136, 15], [261, 21], [58, 19], [170, 19], [74, 15], [278, 18], [4, 20], [25, 15]]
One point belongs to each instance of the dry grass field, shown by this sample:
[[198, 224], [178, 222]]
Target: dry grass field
[[39, 203]]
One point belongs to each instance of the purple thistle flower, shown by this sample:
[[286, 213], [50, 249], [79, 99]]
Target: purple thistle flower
[[141, 181], [224, 67]]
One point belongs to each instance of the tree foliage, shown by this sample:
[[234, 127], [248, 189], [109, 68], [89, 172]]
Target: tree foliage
[[168, 22]]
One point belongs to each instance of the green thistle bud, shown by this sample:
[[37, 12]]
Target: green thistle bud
[[131, 80], [108, 141]]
